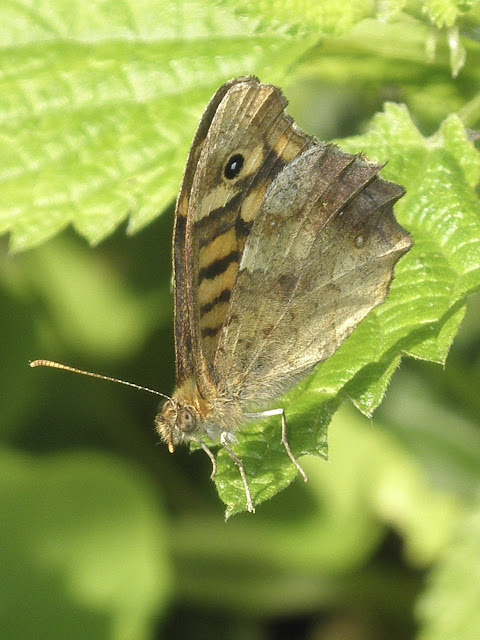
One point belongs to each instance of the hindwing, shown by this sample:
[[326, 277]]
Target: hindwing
[[319, 258]]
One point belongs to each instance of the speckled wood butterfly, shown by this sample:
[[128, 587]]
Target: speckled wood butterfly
[[282, 245]]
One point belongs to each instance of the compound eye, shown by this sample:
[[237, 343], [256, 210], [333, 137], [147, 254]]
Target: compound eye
[[186, 420]]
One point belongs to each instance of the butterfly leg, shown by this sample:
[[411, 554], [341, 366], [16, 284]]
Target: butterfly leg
[[212, 459], [286, 444], [239, 463]]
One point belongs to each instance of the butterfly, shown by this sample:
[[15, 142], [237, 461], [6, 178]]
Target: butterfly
[[282, 246]]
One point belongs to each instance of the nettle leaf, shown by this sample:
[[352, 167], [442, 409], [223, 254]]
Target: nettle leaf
[[444, 13], [99, 102], [420, 317]]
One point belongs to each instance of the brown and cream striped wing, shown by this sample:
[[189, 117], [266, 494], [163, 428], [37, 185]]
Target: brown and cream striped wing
[[244, 141], [183, 338]]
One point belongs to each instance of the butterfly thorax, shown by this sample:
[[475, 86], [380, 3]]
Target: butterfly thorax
[[187, 416]]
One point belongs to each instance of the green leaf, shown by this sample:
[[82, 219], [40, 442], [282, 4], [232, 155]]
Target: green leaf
[[100, 102], [82, 548], [450, 606], [319, 535], [420, 317], [328, 17], [444, 13]]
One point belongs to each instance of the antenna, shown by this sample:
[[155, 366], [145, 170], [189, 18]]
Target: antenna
[[65, 367]]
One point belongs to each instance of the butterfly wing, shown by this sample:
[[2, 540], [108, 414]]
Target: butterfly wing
[[244, 141], [319, 258], [183, 337]]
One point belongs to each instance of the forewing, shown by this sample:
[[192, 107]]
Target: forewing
[[246, 128], [183, 337], [319, 258]]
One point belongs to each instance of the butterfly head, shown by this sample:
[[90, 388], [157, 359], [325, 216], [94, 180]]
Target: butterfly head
[[176, 423]]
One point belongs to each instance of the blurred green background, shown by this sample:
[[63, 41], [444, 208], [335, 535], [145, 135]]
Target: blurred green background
[[104, 534]]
